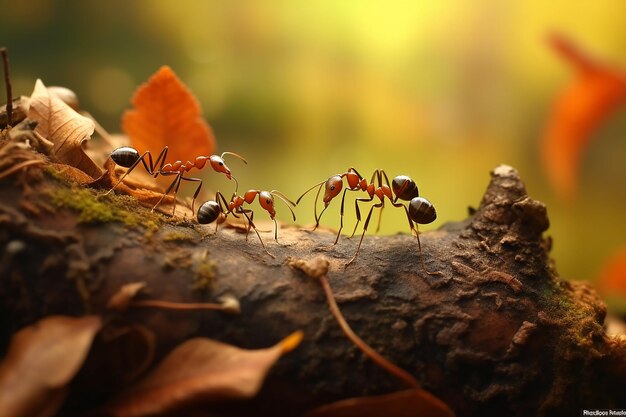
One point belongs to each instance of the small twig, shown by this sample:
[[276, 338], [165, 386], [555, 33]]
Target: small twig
[[19, 166], [381, 361], [228, 304], [318, 268], [7, 83]]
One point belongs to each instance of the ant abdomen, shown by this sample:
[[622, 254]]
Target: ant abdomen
[[404, 188], [125, 156], [422, 211], [209, 212]]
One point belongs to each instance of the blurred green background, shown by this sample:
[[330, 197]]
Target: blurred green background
[[442, 91]]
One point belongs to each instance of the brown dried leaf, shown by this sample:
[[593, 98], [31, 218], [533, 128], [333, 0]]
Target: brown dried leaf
[[41, 361], [202, 370], [167, 114], [122, 298], [408, 403], [61, 125]]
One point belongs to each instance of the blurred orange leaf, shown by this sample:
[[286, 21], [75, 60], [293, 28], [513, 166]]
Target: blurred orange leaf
[[41, 361], [167, 114], [202, 370], [594, 93], [65, 128], [408, 403], [612, 278]]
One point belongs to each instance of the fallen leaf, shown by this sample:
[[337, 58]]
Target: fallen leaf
[[65, 128], [71, 174], [41, 361], [590, 98], [167, 114], [202, 370], [408, 403]]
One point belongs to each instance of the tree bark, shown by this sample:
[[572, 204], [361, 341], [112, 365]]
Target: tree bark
[[496, 333]]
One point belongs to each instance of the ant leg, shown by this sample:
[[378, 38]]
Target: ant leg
[[195, 195], [169, 188], [384, 175], [130, 169], [343, 199], [247, 211], [380, 217], [367, 221], [358, 212], [419, 245], [219, 199], [257, 233], [160, 162]]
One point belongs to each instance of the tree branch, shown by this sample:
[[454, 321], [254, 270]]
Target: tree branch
[[496, 334]]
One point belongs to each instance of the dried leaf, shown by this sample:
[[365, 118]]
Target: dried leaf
[[167, 114], [41, 361], [122, 298], [409, 403], [202, 370], [61, 125], [594, 94]]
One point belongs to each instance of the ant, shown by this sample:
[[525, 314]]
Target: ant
[[211, 210], [419, 211], [128, 157]]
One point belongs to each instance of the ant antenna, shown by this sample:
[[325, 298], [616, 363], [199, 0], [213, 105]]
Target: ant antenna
[[287, 202], [235, 155]]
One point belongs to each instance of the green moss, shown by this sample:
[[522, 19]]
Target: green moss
[[204, 276], [177, 236], [94, 208]]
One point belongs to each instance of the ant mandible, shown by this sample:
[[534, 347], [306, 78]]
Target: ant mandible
[[419, 211], [211, 210], [128, 157]]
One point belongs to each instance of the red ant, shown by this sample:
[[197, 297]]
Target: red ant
[[211, 210], [128, 157], [420, 210]]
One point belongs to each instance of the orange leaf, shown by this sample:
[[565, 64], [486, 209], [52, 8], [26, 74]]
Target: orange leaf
[[167, 114], [65, 128], [202, 370], [408, 403], [41, 361], [587, 101], [612, 279]]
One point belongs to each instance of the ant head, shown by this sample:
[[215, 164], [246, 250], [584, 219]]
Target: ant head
[[422, 211], [125, 156], [218, 165], [404, 188], [333, 187], [266, 199], [209, 212]]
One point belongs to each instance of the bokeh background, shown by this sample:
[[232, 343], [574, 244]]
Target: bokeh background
[[442, 91]]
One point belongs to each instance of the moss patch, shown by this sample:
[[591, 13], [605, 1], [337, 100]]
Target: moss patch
[[204, 277], [94, 208], [177, 236]]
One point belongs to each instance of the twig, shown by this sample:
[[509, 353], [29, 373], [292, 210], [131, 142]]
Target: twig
[[7, 83], [19, 166], [381, 361]]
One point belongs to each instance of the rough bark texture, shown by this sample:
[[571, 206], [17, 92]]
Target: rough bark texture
[[496, 334]]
